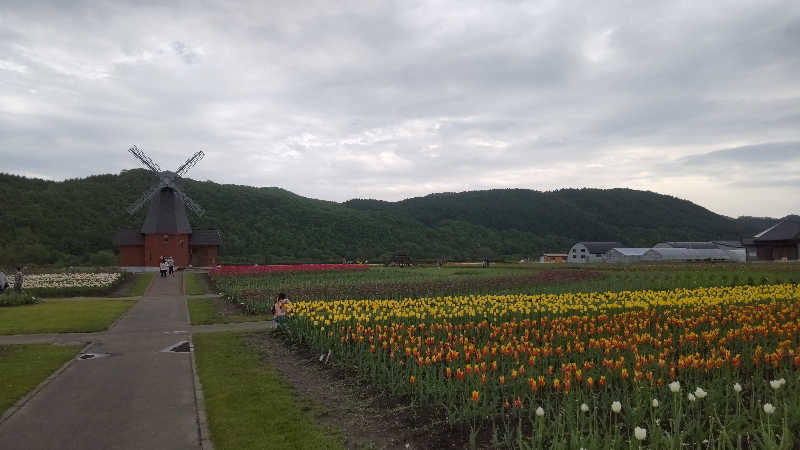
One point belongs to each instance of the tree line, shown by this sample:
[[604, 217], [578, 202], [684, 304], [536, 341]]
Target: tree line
[[72, 222]]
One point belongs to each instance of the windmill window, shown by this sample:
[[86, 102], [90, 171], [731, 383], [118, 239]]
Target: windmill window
[[166, 238]]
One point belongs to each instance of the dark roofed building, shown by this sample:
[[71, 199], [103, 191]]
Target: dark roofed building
[[130, 245], [199, 248], [166, 232], [588, 252], [205, 247], [778, 242]]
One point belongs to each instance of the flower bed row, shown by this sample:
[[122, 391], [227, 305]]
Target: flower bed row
[[70, 284], [594, 369], [254, 269]]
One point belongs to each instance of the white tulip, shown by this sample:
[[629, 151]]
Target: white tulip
[[675, 386], [640, 433], [691, 397], [768, 408], [737, 387], [584, 407], [616, 407], [655, 403], [775, 384], [539, 411], [700, 393]]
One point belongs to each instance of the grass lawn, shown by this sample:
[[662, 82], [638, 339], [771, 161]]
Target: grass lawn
[[247, 403], [25, 366], [193, 284], [139, 285], [203, 311], [62, 316]]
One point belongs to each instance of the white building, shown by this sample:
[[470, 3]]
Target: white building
[[625, 255], [590, 252]]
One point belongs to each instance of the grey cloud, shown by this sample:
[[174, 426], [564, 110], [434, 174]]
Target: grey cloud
[[336, 100]]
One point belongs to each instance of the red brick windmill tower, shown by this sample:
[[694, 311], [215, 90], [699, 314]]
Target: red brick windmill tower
[[166, 230]]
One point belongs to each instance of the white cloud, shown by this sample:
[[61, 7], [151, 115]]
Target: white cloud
[[11, 66]]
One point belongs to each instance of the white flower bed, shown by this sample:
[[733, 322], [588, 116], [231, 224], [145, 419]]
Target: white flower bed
[[65, 280]]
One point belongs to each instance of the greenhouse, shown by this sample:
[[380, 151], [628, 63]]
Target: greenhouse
[[685, 254], [625, 255]]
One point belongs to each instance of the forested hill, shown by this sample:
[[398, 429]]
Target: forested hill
[[72, 222]]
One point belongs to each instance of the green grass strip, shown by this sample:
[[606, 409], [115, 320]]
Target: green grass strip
[[193, 284], [248, 405], [23, 367], [140, 284], [69, 316], [202, 311]]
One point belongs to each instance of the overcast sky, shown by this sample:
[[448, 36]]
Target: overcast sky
[[391, 100]]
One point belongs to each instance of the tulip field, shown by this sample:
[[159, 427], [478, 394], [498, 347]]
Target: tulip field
[[254, 269], [255, 288], [711, 367]]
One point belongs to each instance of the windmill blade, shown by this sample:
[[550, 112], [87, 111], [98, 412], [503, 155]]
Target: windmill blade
[[191, 204], [143, 199], [189, 163], [144, 159]]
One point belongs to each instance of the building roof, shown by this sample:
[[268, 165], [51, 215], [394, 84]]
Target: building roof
[[128, 238], [697, 245], [629, 251], [166, 214], [786, 230], [677, 254], [725, 245], [556, 254], [205, 237], [598, 248]]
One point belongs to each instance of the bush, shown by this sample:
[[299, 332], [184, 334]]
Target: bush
[[14, 298]]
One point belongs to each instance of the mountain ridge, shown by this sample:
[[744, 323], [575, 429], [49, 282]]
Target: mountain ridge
[[72, 221]]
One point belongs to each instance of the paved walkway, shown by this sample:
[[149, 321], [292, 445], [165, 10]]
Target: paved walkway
[[138, 398]]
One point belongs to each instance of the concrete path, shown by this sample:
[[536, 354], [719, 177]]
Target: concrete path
[[138, 398]]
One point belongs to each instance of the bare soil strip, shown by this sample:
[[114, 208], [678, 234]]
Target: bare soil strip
[[365, 420]]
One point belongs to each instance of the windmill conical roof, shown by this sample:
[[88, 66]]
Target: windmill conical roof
[[166, 214]]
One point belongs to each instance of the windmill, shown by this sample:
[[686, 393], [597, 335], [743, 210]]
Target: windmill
[[165, 180], [166, 230]]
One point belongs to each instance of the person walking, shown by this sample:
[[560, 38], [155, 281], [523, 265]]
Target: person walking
[[3, 281], [162, 266], [18, 278], [281, 308], [171, 265]]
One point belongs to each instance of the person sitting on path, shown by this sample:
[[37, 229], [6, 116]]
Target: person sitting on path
[[18, 277], [281, 308], [3, 281], [162, 266]]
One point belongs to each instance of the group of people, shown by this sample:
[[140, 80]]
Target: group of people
[[167, 266], [18, 277]]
